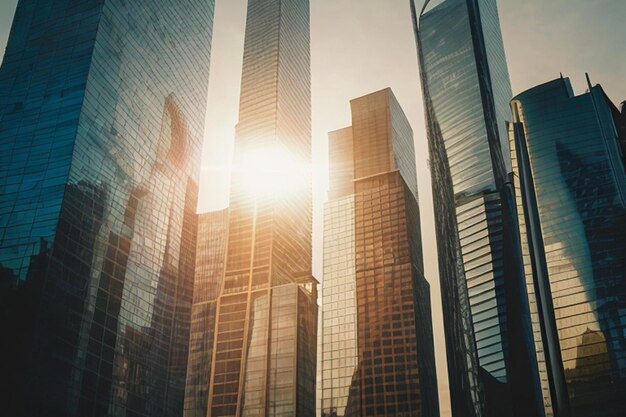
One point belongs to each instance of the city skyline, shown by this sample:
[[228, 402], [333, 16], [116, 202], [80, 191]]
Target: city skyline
[[354, 73], [381, 53]]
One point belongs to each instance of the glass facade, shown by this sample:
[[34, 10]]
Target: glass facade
[[543, 356], [210, 253], [491, 358], [377, 343], [338, 341], [573, 183], [101, 120], [480, 233], [264, 355], [621, 124]]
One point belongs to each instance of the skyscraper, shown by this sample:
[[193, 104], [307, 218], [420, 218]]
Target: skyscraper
[[101, 120], [264, 356], [377, 336], [490, 342], [572, 197], [210, 254]]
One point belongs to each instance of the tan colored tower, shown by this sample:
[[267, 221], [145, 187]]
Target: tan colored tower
[[383, 298], [264, 356]]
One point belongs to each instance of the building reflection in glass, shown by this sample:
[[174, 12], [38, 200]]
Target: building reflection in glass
[[573, 182], [377, 342], [101, 121]]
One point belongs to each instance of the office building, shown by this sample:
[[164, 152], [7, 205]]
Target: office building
[[377, 336], [571, 184], [492, 364], [264, 355], [102, 107]]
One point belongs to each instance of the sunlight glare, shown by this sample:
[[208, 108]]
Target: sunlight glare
[[269, 171]]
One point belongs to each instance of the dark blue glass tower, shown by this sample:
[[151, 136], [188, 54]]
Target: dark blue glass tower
[[489, 335], [101, 120], [567, 154]]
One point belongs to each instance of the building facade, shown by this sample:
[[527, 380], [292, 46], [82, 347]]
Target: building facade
[[377, 336], [264, 355], [493, 369], [338, 341], [572, 182], [621, 118], [101, 118], [210, 254]]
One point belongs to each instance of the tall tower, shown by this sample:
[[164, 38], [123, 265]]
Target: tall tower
[[377, 336], [490, 342], [571, 182], [102, 109], [264, 357]]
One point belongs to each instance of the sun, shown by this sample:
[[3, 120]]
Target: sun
[[272, 171]]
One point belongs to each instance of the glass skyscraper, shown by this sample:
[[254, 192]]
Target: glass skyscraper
[[264, 355], [567, 155], [102, 107], [377, 336], [490, 345]]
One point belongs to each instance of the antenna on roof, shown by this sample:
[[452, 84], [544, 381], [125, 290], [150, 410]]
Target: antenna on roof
[[561, 75], [588, 81]]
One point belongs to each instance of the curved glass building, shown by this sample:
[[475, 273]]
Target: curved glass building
[[568, 156], [491, 350], [102, 107]]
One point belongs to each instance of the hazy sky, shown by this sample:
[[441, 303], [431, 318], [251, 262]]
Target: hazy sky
[[360, 46]]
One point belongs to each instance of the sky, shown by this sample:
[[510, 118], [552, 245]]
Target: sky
[[361, 46]]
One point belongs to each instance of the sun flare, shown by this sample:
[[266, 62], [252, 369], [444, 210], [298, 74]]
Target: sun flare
[[271, 171]]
